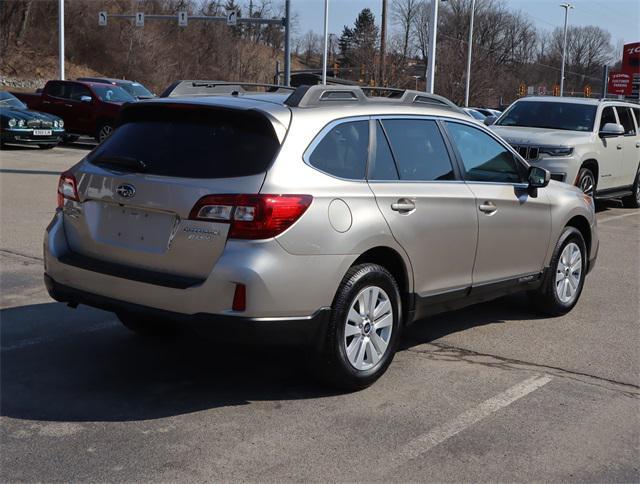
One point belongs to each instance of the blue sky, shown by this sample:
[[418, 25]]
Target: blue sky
[[620, 17]]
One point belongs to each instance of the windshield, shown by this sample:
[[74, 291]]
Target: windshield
[[137, 90], [112, 94], [9, 100], [553, 115]]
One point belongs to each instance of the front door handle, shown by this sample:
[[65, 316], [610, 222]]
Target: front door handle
[[488, 207], [637, 144], [403, 205], [69, 105], [619, 147]]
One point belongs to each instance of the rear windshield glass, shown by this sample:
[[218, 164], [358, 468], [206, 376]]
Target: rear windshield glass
[[553, 115], [189, 143]]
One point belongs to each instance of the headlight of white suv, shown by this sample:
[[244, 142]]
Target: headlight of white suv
[[556, 150]]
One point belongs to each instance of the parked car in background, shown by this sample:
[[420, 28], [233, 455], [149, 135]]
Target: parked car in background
[[87, 108], [136, 89], [474, 114], [20, 125], [593, 144], [488, 112], [323, 218]]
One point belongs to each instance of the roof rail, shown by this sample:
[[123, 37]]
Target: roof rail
[[310, 96], [213, 88]]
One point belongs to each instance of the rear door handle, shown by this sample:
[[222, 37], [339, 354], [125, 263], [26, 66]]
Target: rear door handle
[[69, 105], [488, 207], [403, 205], [46, 102], [637, 144]]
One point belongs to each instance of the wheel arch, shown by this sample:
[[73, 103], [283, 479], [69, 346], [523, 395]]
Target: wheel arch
[[591, 164], [391, 260], [581, 223]]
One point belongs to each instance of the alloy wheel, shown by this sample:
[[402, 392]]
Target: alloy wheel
[[569, 273], [105, 132], [368, 328], [587, 184]]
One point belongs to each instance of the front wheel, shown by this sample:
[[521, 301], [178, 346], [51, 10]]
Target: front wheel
[[586, 181], [104, 132], [364, 329], [633, 200], [563, 283]]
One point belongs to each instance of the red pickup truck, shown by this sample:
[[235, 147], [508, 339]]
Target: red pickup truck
[[87, 108]]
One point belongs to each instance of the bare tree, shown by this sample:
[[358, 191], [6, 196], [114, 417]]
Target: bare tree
[[404, 13]]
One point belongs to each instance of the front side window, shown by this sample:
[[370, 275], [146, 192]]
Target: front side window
[[112, 94], [418, 149], [626, 120], [608, 116], [485, 159], [343, 151]]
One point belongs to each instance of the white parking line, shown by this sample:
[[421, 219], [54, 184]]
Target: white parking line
[[427, 441], [47, 339], [609, 219]]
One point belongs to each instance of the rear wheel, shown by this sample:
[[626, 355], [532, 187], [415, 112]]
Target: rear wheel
[[563, 284], [146, 326], [633, 201], [586, 181], [364, 329]]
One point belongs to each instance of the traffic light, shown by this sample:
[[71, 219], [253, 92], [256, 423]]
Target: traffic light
[[522, 89]]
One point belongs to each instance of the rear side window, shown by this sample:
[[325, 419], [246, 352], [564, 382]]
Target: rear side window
[[78, 90], [608, 116], [382, 166], [484, 159], [636, 112], [418, 149], [626, 120], [187, 142], [343, 151], [57, 89]]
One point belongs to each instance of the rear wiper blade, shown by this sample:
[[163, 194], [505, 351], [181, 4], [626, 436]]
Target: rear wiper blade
[[120, 162]]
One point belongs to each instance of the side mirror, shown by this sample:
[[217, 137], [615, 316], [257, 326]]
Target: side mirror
[[611, 129], [538, 177], [489, 120], [86, 99]]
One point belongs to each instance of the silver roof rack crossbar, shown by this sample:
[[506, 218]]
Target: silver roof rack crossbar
[[309, 96], [212, 88]]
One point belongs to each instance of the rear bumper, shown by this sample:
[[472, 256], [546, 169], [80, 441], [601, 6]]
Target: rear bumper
[[305, 331]]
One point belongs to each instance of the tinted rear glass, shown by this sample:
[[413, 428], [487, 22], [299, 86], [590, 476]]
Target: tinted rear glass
[[189, 143]]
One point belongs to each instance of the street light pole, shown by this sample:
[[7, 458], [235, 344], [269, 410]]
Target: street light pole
[[433, 31], [566, 7], [287, 43], [61, 36], [469, 49], [326, 42]]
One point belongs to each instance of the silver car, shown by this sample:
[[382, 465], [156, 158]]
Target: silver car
[[325, 218]]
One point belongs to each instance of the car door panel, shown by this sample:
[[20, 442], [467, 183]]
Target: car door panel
[[630, 143], [610, 160], [433, 220], [514, 224]]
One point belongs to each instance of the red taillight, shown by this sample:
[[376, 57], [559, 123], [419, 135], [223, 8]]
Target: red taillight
[[67, 188], [240, 298], [252, 216]]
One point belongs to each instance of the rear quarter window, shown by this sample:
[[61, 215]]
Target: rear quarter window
[[343, 151], [189, 142]]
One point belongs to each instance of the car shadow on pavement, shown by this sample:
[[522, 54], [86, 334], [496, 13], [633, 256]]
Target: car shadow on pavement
[[83, 365], [516, 307]]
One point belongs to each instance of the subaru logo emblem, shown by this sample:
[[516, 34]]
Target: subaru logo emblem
[[126, 191]]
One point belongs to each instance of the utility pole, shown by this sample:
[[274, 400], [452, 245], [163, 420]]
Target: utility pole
[[469, 49], [326, 42], [287, 42], [433, 31], [566, 7], [61, 36], [383, 43]]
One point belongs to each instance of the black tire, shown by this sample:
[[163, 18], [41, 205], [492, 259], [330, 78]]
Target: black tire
[[586, 181], [633, 201], [332, 364], [146, 326], [546, 298], [46, 147], [101, 132]]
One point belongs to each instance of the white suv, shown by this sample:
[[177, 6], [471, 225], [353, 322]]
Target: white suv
[[593, 144]]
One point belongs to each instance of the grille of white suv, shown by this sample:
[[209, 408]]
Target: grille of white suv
[[527, 152]]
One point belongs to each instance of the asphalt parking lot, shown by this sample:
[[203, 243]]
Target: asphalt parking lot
[[493, 392]]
